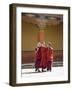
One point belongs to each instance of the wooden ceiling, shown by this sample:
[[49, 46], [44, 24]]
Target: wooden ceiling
[[51, 19]]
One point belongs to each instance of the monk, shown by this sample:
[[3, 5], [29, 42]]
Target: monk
[[38, 57], [49, 56], [43, 63]]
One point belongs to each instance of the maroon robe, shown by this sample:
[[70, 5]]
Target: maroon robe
[[38, 57], [43, 63], [49, 57]]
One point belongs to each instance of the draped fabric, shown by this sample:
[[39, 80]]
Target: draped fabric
[[49, 54], [38, 57], [44, 57], [49, 57], [43, 63]]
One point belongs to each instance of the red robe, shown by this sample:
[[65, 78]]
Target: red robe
[[43, 63], [49, 57], [49, 54], [38, 57]]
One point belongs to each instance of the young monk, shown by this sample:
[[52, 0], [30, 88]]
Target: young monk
[[43, 63], [49, 56], [38, 57]]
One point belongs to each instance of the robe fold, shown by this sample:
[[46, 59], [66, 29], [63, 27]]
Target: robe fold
[[43, 63], [49, 57], [38, 57]]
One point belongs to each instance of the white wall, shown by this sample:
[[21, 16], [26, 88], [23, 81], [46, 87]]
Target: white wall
[[4, 45]]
